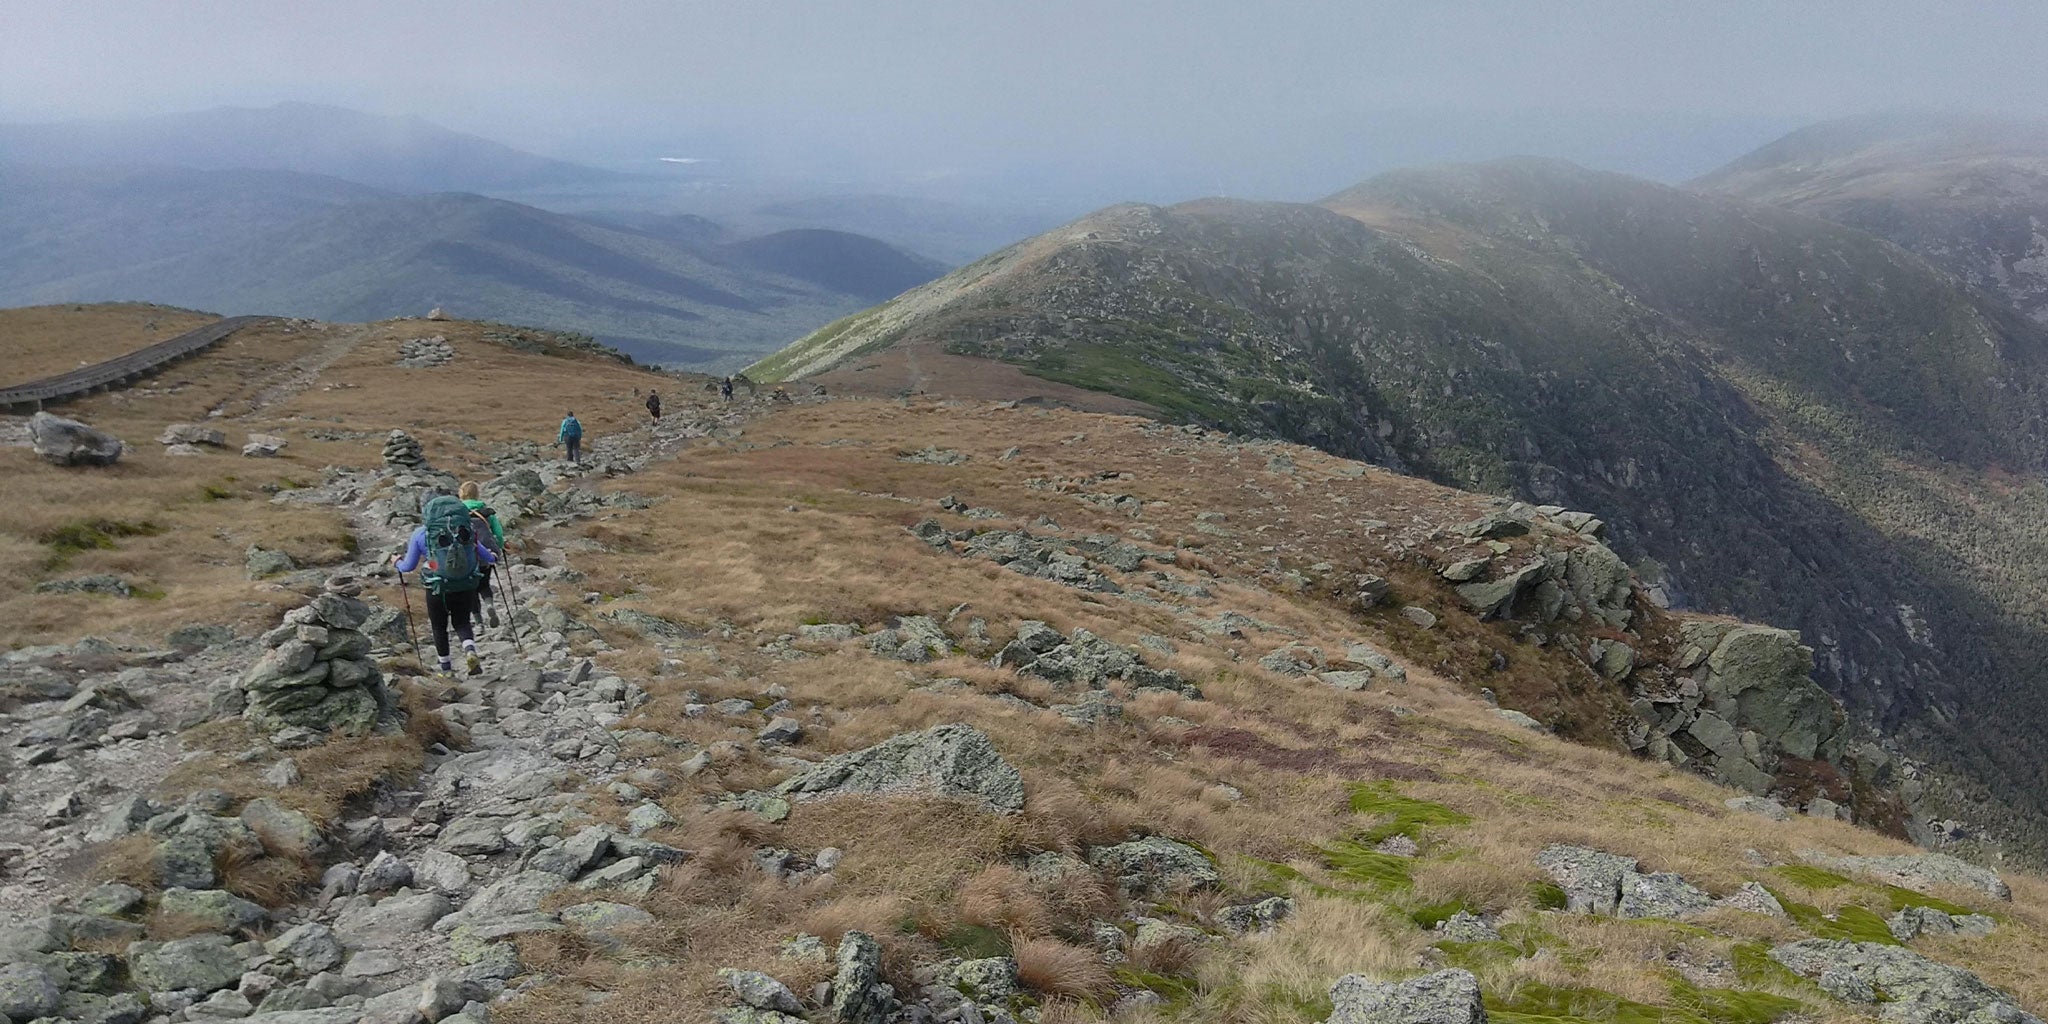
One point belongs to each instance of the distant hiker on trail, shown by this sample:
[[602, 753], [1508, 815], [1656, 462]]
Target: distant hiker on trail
[[473, 499], [725, 389], [653, 404], [571, 437], [454, 554]]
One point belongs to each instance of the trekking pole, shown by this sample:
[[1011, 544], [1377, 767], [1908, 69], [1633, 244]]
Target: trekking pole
[[511, 606], [506, 603], [411, 635]]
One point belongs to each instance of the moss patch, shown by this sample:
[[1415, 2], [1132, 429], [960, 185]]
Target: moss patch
[[1537, 1003], [1399, 815], [91, 535], [1360, 863]]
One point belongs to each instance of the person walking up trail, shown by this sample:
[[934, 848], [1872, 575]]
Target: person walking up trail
[[453, 555], [472, 495], [571, 437], [653, 404]]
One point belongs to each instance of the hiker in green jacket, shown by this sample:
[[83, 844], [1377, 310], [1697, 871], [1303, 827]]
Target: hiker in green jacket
[[473, 498], [571, 437]]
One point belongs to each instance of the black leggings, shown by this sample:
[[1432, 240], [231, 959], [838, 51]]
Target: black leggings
[[483, 589], [441, 608]]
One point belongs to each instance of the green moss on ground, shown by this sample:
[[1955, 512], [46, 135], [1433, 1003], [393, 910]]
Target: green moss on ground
[[1399, 815]]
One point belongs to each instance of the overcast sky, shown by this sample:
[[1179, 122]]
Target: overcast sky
[[1129, 94]]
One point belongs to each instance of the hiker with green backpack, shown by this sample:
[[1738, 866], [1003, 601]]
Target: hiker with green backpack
[[451, 553], [472, 494]]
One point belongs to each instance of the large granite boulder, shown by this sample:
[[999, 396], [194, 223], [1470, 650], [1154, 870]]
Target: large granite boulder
[[65, 442]]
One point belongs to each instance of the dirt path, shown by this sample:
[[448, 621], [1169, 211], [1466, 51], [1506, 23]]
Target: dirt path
[[302, 373]]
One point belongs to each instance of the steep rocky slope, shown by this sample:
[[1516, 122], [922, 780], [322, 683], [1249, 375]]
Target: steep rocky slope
[[1970, 195], [890, 712], [1781, 418]]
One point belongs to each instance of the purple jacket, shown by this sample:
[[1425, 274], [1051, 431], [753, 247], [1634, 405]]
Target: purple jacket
[[416, 552]]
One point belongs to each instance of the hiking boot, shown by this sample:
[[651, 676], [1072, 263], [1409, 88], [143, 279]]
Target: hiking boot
[[491, 616], [475, 664]]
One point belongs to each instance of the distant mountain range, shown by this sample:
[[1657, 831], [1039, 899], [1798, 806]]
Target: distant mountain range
[[315, 211], [400, 154], [1781, 416]]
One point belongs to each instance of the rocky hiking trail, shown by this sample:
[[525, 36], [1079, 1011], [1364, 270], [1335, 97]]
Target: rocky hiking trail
[[978, 714], [100, 724]]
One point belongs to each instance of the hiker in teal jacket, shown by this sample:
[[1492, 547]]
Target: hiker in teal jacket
[[571, 437]]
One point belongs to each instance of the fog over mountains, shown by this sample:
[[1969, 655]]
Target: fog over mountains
[[330, 213]]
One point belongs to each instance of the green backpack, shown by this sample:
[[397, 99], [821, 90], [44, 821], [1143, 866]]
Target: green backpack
[[452, 564]]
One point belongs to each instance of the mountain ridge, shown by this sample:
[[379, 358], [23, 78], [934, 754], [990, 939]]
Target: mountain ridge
[[1728, 381]]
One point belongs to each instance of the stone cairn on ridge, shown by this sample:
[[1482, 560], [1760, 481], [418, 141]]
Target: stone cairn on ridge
[[420, 353], [402, 452], [318, 674]]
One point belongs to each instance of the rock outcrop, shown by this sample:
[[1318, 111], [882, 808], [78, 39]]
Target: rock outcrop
[[1747, 699], [1921, 872], [1902, 986], [947, 760]]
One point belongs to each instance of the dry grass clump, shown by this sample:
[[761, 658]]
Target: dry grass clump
[[1060, 970], [130, 860], [269, 877], [1004, 898]]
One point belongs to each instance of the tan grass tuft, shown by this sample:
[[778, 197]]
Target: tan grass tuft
[[1054, 968]]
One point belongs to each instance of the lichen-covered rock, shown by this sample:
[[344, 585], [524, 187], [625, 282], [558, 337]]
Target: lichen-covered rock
[[215, 909], [1446, 997], [948, 760], [1662, 894], [1591, 879], [760, 991], [1155, 866], [1753, 898], [1912, 922], [1255, 917], [27, 992], [1467, 927], [1916, 990], [1920, 872], [207, 963], [310, 948], [859, 995], [991, 980]]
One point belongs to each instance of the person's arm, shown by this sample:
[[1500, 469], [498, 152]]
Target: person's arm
[[483, 551], [415, 549], [497, 531]]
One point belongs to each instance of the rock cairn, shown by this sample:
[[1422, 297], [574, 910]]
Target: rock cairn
[[402, 452], [420, 353], [318, 674]]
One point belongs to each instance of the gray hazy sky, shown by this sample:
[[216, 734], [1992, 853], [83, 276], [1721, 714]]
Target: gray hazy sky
[[1261, 97]]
